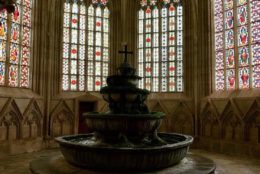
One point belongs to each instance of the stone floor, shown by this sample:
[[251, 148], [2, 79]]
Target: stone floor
[[19, 164]]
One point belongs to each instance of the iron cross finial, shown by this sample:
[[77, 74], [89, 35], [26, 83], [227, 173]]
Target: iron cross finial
[[126, 53]]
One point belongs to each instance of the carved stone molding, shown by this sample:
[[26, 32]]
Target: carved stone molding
[[179, 115], [61, 120], [231, 125]]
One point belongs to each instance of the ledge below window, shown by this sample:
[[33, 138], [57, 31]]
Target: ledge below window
[[18, 93], [245, 93]]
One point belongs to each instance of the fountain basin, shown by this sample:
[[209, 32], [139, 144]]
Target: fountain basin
[[82, 150], [126, 124]]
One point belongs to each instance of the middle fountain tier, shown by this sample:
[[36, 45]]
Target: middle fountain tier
[[125, 137], [128, 121]]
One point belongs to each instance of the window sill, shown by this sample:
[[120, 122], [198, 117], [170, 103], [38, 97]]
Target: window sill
[[18, 93], [168, 96], [248, 93], [72, 95]]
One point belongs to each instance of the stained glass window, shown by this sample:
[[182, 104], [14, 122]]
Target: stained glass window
[[15, 45], [160, 45], [85, 45], [237, 46]]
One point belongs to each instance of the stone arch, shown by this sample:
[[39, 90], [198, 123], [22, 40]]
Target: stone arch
[[183, 120], [62, 124], [232, 126], [10, 127], [210, 123], [62, 120], [252, 124], [10, 121], [32, 121], [158, 107]]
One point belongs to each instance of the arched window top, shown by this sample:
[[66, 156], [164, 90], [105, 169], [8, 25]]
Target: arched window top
[[75, 7], [91, 10], [237, 48], [160, 45], [160, 3], [85, 45], [98, 12], [106, 13]]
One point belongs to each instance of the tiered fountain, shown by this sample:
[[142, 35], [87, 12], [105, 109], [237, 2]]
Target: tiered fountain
[[125, 138]]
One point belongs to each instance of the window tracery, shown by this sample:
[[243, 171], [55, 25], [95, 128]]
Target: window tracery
[[85, 45], [237, 47], [160, 45], [15, 45]]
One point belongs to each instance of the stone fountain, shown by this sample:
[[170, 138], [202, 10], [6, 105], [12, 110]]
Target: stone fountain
[[125, 138]]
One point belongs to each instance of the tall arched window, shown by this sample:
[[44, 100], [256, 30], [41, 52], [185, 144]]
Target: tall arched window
[[85, 45], [237, 44], [15, 45], [160, 45]]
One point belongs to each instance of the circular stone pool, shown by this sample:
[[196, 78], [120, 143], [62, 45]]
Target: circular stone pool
[[85, 151]]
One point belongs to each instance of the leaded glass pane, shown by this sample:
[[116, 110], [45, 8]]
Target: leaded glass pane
[[228, 4], [229, 19], [244, 78], [231, 79], [242, 15], [82, 9], [230, 58], [13, 75], [219, 41], [244, 56], [82, 37], [241, 2], [2, 73], [15, 33], [220, 78], [106, 13], [97, 83], [229, 35], [81, 83], [218, 22], [242, 36], [256, 76], [74, 21], [73, 83], [65, 82], [255, 31], [98, 12]]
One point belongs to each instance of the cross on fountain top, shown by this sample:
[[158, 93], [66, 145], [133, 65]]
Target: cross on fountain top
[[126, 53]]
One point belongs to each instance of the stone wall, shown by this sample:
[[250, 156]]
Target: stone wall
[[21, 124], [231, 124]]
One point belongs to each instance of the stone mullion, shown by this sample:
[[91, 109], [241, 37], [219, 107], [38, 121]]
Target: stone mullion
[[94, 49], [176, 48], [250, 50], [224, 46], [102, 47], [19, 44], [7, 48], [85, 44], [78, 46], [236, 45]]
